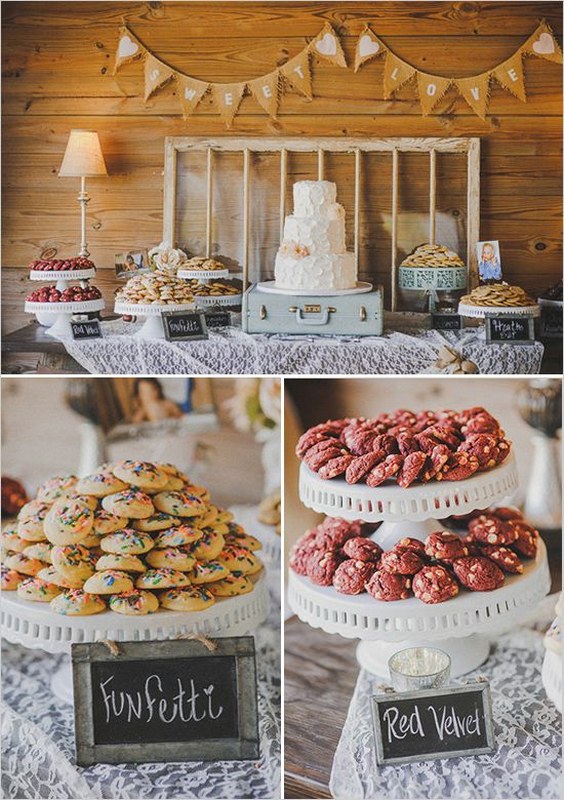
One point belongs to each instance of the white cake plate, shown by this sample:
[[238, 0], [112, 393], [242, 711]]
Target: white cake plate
[[203, 275], [35, 626], [153, 327], [459, 626], [203, 301], [64, 312], [552, 677], [270, 287], [481, 312], [407, 512], [62, 276]]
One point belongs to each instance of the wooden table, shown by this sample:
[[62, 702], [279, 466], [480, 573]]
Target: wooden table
[[319, 679], [49, 354]]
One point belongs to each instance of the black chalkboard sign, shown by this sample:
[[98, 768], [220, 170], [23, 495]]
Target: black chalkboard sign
[[551, 319], [439, 723], [510, 329], [446, 322], [183, 326], [90, 329], [165, 701], [218, 319]]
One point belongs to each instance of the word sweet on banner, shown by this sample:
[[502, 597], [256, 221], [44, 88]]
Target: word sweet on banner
[[476, 89], [226, 97]]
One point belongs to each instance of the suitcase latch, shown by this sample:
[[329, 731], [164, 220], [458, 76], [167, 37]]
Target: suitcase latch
[[362, 314], [262, 312]]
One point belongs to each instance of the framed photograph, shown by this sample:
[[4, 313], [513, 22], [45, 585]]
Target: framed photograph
[[131, 262], [489, 261]]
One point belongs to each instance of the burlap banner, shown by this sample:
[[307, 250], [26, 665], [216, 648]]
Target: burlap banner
[[476, 89], [226, 97]]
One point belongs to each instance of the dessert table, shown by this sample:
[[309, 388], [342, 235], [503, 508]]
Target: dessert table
[[232, 351], [38, 738]]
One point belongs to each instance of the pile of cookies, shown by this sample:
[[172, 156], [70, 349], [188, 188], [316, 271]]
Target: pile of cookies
[[132, 536], [61, 264], [498, 294], [156, 288], [432, 255], [337, 553], [203, 263], [406, 447], [211, 289]]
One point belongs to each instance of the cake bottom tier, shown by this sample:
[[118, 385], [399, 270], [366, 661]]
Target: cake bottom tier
[[315, 272]]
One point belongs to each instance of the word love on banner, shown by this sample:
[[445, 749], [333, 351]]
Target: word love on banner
[[439, 723], [227, 97], [165, 701], [476, 89]]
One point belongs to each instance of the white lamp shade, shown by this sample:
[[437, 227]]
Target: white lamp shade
[[83, 157]]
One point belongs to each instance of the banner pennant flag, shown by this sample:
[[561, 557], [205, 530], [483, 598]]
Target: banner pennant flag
[[396, 73], [431, 89], [156, 75], [327, 45], [543, 44], [368, 46], [510, 76], [129, 48], [190, 92], [297, 72], [266, 92], [476, 92], [227, 98]]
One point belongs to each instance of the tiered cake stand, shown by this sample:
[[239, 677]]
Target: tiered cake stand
[[481, 312], [205, 276], [35, 626], [63, 313], [459, 626], [432, 280], [62, 277], [153, 327]]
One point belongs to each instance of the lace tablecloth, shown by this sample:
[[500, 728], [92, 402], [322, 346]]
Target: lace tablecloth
[[528, 733], [38, 734], [238, 353]]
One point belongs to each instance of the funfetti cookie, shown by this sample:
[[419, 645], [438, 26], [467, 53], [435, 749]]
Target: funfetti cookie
[[159, 521], [37, 590], [178, 537], [148, 477], [54, 488], [31, 520], [68, 522], [179, 504], [76, 603], [51, 575], [127, 542], [105, 522], [233, 585], [135, 602], [191, 598], [11, 542], [209, 546], [73, 561], [131, 503], [21, 563], [172, 558], [208, 572], [109, 581], [10, 579], [239, 559], [39, 550], [162, 578], [100, 484], [121, 561]]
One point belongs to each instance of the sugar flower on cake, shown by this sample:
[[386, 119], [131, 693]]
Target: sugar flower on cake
[[167, 258], [294, 249]]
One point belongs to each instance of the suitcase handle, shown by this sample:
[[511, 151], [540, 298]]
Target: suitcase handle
[[315, 319]]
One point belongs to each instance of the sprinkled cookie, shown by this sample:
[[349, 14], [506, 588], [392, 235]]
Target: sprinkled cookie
[[207, 572], [434, 584], [127, 542], [239, 538], [162, 578], [159, 521], [73, 561], [51, 575], [38, 590], [239, 559], [362, 549], [100, 484], [10, 579], [352, 576], [68, 522], [105, 522], [109, 581], [171, 557], [39, 550], [192, 598], [478, 574], [389, 586], [54, 488], [11, 542], [179, 504], [234, 584], [134, 602], [131, 503], [402, 561], [23, 564], [177, 537], [173, 484], [31, 519], [122, 561], [76, 603], [142, 474], [209, 546]]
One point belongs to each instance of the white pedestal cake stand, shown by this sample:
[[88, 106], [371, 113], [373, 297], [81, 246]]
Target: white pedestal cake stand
[[35, 626], [62, 277], [203, 275], [205, 301], [153, 327], [64, 313], [459, 626]]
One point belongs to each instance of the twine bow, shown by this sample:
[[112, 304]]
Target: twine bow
[[451, 362]]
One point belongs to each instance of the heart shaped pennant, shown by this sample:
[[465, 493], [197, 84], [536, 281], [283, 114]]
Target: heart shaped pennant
[[367, 46], [128, 49], [543, 44], [327, 45]]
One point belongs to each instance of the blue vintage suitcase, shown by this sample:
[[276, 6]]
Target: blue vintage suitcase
[[339, 315]]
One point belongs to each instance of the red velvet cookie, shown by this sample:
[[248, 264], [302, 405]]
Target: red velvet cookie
[[459, 467], [434, 584], [302, 550], [388, 586], [321, 566], [352, 576], [334, 532], [491, 530], [401, 561], [478, 573], [527, 539], [411, 467], [362, 549], [316, 458], [503, 557], [335, 467], [361, 466], [389, 467], [444, 546], [407, 543], [505, 512]]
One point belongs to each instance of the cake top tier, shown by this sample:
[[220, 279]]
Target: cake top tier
[[313, 197]]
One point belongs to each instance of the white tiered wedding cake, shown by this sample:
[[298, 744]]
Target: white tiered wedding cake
[[313, 254]]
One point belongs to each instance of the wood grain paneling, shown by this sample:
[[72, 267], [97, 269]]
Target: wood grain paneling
[[57, 62]]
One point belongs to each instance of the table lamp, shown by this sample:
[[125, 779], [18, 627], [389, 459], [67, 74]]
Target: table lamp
[[83, 159]]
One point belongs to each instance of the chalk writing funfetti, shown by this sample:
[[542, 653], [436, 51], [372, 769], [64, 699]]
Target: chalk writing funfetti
[[165, 701], [439, 723]]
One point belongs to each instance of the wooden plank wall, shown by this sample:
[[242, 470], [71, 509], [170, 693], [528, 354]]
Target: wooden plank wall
[[57, 63]]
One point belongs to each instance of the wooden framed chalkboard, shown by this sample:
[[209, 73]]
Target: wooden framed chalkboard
[[165, 701], [510, 330], [184, 326], [439, 723], [89, 329], [446, 322]]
